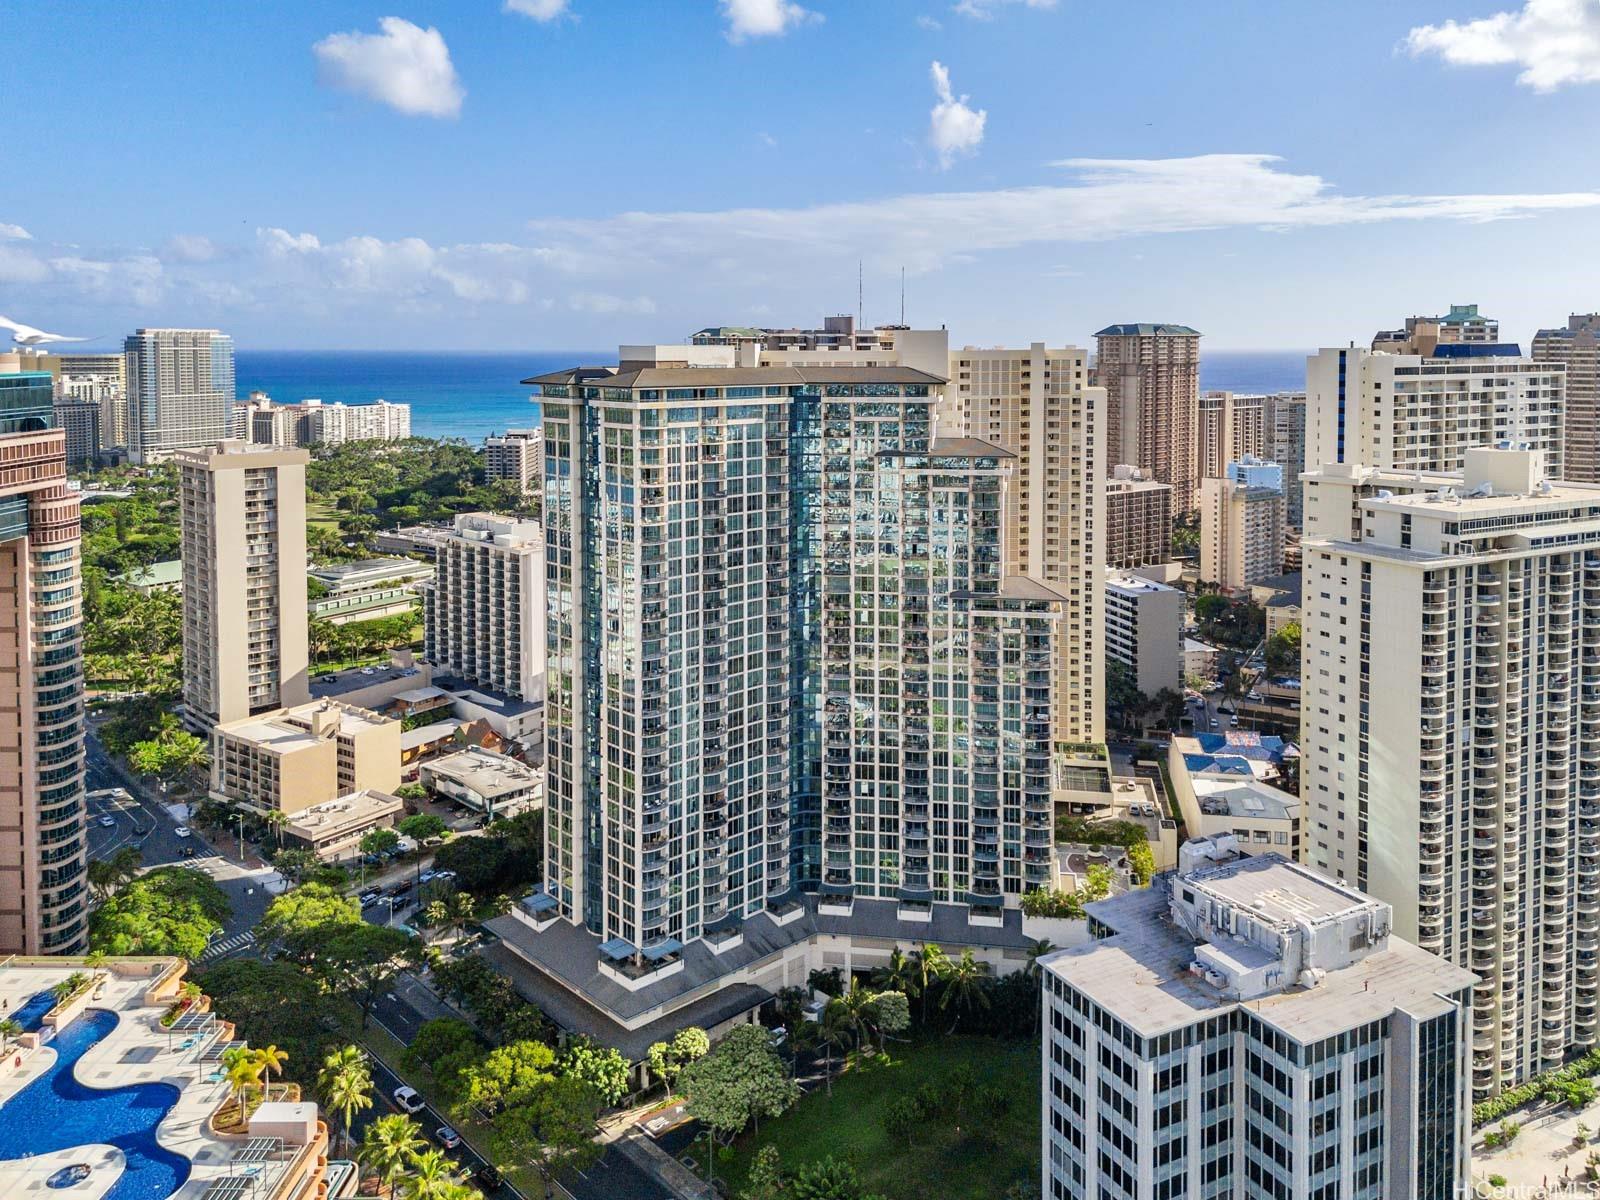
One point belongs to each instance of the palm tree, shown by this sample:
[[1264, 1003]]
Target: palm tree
[[964, 985], [932, 966], [10, 1031], [345, 1084], [853, 1008], [432, 1176], [272, 1060], [389, 1146], [898, 975], [833, 1032], [1036, 951], [95, 960], [243, 1069], [276, 819]]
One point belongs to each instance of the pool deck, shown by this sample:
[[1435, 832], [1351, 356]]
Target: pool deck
[[136, 1051]]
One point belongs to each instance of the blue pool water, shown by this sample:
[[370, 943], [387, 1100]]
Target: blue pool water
[[31, 1015], [56, 1112]]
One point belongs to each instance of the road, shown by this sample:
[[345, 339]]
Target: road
[[143, 821]]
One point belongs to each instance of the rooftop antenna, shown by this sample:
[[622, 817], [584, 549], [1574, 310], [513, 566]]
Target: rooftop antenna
[[861, 320], [902, 295]]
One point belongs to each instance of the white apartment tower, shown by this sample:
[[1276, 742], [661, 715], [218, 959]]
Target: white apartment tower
[[243, 513], [1285, 439], [484, 609], [1035, 404], [1144, 631], [1245, 1027], [180, 384], [1232, 426], [1451, 737], [1407, 412]]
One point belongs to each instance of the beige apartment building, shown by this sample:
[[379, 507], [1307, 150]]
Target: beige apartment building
[[243, 511], [517, 456], [484, 610], [1242, 526], [1577, 348], [1151, 376], [1036, 403], [1451, 736], [43, 897], [1462, 325], [294, 758], [1138, 520], [1231, 426]]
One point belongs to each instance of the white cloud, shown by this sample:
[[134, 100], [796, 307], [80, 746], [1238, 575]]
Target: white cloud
[[599, 302], [14, 233], [539, 10], [189, 247], [406, 67], [767, 139], [931, 24], [984, 10], [763, 18], [1107, 199], [1555, 42], [409, 269], [18, 265], [954, 128]]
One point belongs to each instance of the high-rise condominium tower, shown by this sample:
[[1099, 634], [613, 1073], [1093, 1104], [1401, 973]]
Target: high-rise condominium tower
[[244, 581], [1232, 425], [1034, 403], [1462, 325], [103, 379], [1242, 525], [180, 384], [43, 896], [484, 609], [1577, 348], [783, 648], [517, 456], [1451, 666], [1245, 1027], [1407, 412], [1138, 520], [1285, 440], [1151, 374]]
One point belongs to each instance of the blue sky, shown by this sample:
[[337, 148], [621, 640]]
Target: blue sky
[[586, 172]]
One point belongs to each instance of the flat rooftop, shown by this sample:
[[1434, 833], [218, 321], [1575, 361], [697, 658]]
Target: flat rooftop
[[705, 377], [489, 774], [369, 566], [1248, 800], [357, 679], [353, 811], [1142, 975], [1276, 890]]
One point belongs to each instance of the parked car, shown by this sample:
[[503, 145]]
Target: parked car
[[108, 822], [407, 1100], [447, 1137], [182, 831], [427, 876], [369, 898], [489, 1175]]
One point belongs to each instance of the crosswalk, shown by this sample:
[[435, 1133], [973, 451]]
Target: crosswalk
[[229, 945]]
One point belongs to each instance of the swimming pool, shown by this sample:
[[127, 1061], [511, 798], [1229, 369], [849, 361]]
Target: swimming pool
[[31, 1015], [56, 1112]]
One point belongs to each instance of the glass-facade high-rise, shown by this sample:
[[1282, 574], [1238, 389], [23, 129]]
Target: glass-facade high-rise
[[783, 652], [180, 386]]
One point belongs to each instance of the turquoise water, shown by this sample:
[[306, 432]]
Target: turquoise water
[[31, 1015], [56, 1112], [473, 395]]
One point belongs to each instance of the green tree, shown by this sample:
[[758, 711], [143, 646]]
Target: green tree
[[889, 1014], [765, 1180], [422, 827], [1283, 650], [303, 920], [601, 1067], [345, 1085], [552, 1130], [827, 1179], [964, 988], [171, 755], [389, 1145], [360, 961], [506, 1078], [293, 864], [739, 1082], [379, 841], [667, 1060], [170, 910], [931, 965], [431, 1176], [444, 1047]]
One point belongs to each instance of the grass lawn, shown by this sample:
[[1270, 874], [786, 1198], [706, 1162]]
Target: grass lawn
[[320, 512], [975, 1162]]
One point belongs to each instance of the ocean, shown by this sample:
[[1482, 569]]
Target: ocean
[[460, 395]]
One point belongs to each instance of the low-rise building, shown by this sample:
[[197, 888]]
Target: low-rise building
[[368, 589], [1144, 631], [1247, 1027], [157, 577], [333, 829], [495, 784], [1280, 597], [295, 758], [419, 541]]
